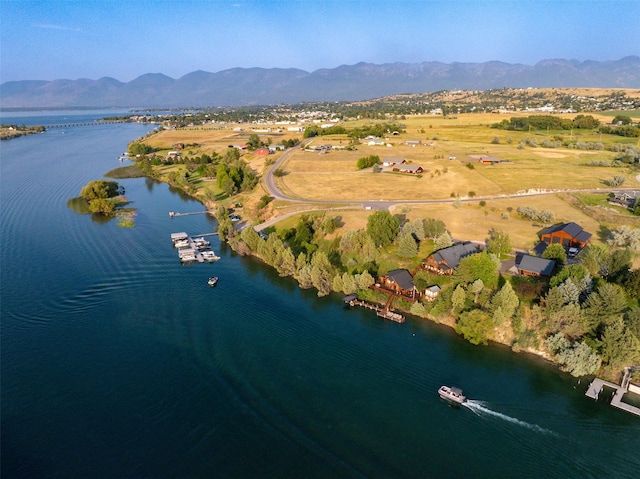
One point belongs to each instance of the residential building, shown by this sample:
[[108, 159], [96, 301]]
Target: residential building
[[446, 260]]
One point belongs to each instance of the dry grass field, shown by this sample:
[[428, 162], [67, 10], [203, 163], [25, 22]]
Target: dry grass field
[[334, 176]]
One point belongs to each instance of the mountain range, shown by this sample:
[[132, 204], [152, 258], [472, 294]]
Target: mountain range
[[362, 81]]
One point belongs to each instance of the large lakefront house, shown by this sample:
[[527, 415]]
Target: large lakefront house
[[446, 260], [400, 282], [569, 235]]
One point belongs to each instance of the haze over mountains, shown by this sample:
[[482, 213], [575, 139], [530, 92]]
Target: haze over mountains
[[362, 81]]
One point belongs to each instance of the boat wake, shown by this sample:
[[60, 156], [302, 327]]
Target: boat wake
[[479, 408]]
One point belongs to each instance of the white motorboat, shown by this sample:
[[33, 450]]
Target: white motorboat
[[452, 394]]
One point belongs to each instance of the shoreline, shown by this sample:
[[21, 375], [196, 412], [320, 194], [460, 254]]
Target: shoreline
[[543, 355], [524, 332]]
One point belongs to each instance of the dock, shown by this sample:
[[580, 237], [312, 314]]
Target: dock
[[596, 386], [382, 312], [175, 214], [191, 249]]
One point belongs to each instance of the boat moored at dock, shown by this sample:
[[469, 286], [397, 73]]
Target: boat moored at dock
[[452, 394]]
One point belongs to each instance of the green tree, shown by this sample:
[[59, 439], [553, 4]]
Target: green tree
[[304, 231], [364, 280], [349, 284], [102, 189], [566, 319], [596, 259], [555, 251], [604, 305], [102, 206], [499, 243], [632, 321], [458, 299], [368, 161], [138, 148], [577, 272], [224, 180], [576, 358], [506, 299], [434, 228], [418, 229], [321, 273], [251, 238], [383, 228], [443, 241], [579, 360], [303, 275], [271, 249], [618, 345], [407, 248], [475, 326], [482, 266], [286, 262], [253, 143], [337, 284], [631, 283], [476, 288], [622, 120]]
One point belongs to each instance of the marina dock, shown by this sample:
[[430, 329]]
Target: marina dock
[[191, 249], [596, 386]]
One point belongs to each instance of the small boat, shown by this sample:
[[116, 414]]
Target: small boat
[[209, 255], [452, 394], [212, 281]]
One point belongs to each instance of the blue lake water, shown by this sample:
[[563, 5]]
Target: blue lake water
[[117, 361]]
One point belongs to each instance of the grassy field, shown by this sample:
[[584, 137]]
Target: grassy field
[[334, 175]]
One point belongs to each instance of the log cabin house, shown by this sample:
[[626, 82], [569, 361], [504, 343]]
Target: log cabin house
[[569, 235], [533, 266], [446, 260], [399, 282]]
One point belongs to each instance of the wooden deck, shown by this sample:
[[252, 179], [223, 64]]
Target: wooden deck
[[383, 312], [596, 386]]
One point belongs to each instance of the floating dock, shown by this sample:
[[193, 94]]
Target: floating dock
[[193, 249], [596, 386]]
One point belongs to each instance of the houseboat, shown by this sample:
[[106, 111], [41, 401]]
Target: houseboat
[[209, 255]]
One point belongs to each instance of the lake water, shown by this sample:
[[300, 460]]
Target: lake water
[[119, 362]]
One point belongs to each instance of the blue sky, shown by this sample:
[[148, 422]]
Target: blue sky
[[123, 39]]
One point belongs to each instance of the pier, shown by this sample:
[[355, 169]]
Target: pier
[[174, 214], [383, 312], [596, 386]]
